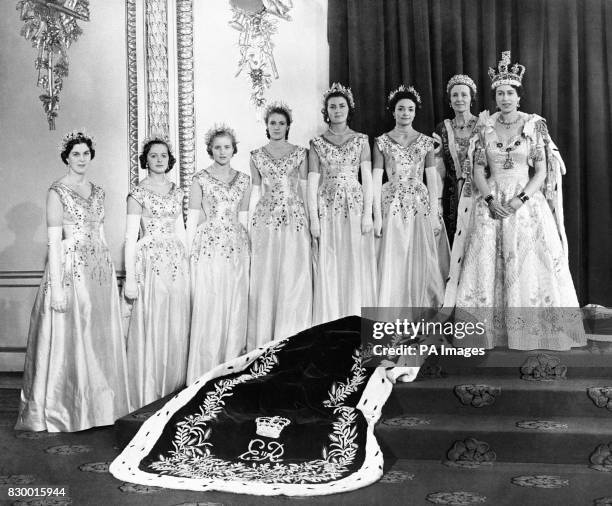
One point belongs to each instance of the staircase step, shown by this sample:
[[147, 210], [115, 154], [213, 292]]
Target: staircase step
[[521, 397], [587, 362], [429, 436]]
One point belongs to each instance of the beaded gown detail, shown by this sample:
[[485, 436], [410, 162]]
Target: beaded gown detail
[[511, 266], [219, 259], [409, 268], [75, 369], [280, 294], [345, 266], [158, 330]]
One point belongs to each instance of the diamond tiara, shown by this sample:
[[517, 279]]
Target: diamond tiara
[[278, 105], [162, 138], [217, 130], [461, 79], [407, 89], [338, 88], [76, 134]]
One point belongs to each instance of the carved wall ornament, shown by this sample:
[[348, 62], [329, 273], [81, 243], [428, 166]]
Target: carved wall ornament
[[543, 367], [541, 425], [257, 20], [601, 458], [51, 26], [601, 396], [470, 454], [477, 396], [540, 481]]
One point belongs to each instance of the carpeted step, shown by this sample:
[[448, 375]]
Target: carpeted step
[[580, 363], [430, 436], [515, 396]]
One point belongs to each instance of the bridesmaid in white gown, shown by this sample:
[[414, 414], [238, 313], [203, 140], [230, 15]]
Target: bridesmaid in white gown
[[409, 270], [340, 212], [75, 370], [280, 294], [157, 280], [219, 257]]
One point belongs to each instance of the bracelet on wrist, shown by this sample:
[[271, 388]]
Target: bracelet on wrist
[[523, 197], [489, 198]]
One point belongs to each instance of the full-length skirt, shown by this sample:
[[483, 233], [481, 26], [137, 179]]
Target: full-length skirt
[[158, 331], [344, 269], [219, 291], [75, 370], [280, 293], [514, 272]]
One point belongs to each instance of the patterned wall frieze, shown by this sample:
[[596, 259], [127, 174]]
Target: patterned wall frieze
[[132, 91], [186, 116], [157, 66]]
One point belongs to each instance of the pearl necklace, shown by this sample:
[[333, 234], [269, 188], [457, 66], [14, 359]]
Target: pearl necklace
[[346, 129]]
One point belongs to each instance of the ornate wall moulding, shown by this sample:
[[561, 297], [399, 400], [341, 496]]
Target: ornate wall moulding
[[477, 396], [51, 26], [601, 396], [543, 367]]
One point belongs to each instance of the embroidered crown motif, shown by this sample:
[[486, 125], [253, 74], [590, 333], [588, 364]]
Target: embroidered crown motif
[[279, 104], [157, 137], [506, 75], [461, 79], [408, 89], [76, 134], [219, 129], [271, 426], [338, 88]]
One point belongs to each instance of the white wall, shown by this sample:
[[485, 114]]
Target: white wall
[[301, 54]]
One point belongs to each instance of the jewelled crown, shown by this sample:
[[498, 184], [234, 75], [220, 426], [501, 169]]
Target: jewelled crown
[[506, 74], [407, 89], [157, 137], [461, 79], [271, 426], [217, 130], [276, 106], [75, 134], [338, 88]]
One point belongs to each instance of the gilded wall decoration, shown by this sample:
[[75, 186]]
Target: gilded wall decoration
[[51, 26], [132, 81], [157, 67], [257, 21]]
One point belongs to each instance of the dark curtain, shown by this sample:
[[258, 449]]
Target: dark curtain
[[566, 45]]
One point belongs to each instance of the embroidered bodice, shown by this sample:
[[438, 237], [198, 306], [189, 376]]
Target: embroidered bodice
[[221, 200], [280, 204], [405, 194], [159, 212], [82, 216], [339, 161], [404, 163]]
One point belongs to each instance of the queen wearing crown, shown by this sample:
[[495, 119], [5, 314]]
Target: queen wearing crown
[[340, 212], [75, 369], [411, 262], [280, 294], [455, 143], [157, 279], [509, 262]]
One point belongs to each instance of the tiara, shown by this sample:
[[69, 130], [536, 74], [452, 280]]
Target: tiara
[[407, 89], [75, 134], [338, 88], [460, 79], [504, 76], [271, 426], [217, 130], [161, 138], [278, 105]]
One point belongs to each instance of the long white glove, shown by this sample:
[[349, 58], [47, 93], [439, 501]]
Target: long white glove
[[366, 188], [193, 216], [432, 187], [179, 229], [253, 200], [313, 211], [303, 186], [103, 235], [132, 226], [243, 219], [59, 302], [377, 176]]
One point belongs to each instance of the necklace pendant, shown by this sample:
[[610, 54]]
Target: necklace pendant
[[508, 163]]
